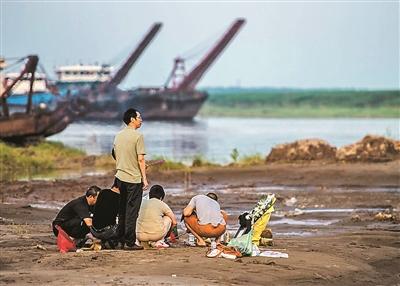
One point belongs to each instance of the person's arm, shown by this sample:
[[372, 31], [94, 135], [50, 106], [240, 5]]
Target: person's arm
[[84, 213], [188, 210], [88, 221], [190, 207], [142, 162], [171, 215], [142, 166]]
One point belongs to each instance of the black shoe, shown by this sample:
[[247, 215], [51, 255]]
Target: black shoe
[[108, 244], [80, 242], [133, 247]]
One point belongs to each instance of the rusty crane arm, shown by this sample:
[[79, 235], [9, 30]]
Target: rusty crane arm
[[123, 71], [191, 79], [30, 67]]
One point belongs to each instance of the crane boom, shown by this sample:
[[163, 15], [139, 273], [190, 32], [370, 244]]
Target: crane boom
[[30, 68], [191, 79], [123, 71]]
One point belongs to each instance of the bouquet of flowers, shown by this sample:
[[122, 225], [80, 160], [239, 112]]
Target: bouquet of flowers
[[262, 206]]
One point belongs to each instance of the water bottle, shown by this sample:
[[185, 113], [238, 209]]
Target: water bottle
[[191, 239], [213, 244]]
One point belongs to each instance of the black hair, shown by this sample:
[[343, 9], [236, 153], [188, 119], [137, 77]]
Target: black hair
[[131, 112], [157, 192], [93, 191], [213, 196]]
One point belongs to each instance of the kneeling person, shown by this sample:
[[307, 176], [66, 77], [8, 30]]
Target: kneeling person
[[156, 219], [204, 219], [75, 217]]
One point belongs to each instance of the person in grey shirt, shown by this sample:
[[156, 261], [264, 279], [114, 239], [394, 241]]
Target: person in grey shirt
[[204, 219]]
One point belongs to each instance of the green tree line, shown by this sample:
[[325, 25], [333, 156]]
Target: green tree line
[[302, 103]]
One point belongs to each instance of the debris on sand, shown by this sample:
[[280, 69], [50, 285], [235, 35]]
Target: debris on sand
[[290, 202], [381, 216], [302, 150], [296, 212], [266, 238], [41, 247], [267, 233], [370, 149], [355, 218]]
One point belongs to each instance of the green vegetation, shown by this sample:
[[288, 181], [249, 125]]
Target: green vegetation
[[199, 161], [48, 158], [40, 157], [168, 164], [234, 155], [104, 161], [251, 160], [302, 103]]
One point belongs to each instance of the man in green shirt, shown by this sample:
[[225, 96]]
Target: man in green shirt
[[130, 177]]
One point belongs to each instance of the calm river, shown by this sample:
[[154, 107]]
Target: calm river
[[214, 138]]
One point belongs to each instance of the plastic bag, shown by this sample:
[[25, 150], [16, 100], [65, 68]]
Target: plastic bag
[[243, 244], [106, 233]]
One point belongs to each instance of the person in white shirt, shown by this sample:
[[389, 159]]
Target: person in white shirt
[[204, 219]]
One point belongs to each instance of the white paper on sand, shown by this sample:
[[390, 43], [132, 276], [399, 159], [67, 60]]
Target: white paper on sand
[[274, 254]]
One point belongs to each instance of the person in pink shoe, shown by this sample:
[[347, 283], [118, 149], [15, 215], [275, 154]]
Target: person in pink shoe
[[155, 220]]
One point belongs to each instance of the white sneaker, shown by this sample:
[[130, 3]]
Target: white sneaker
[[159, 244], [228, 256], [214, 253]]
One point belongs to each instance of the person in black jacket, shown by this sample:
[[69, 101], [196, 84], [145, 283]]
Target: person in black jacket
[[75, 218]]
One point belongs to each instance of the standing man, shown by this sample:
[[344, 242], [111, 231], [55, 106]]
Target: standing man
[[130, 177]]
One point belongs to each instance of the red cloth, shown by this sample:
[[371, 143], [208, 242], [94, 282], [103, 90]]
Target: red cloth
[[64, 242]]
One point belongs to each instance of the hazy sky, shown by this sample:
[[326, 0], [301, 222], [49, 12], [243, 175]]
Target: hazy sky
[[283, 44]]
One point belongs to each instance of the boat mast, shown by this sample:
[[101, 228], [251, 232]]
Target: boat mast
[[123, 71], [30, 67], [191, 79]]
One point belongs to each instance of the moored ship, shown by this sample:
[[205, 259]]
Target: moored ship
[[178, 99], [74, 77], [35, 121]]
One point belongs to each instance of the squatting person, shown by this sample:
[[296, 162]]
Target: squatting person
[[156, 219], [204, 219], [75, 217]]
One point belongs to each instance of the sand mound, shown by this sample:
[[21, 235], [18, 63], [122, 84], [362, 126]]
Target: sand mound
[[370, 149], [302, 150]]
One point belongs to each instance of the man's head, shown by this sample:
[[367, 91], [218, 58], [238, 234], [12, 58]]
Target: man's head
[[157, 192], [213, 196], [91, 194], [132, 118]]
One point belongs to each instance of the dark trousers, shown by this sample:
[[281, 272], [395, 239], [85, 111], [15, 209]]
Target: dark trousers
[[75, 228], [129, 205]]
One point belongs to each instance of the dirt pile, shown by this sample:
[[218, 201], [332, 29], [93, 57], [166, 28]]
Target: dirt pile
[[302, 150], [370, 149]]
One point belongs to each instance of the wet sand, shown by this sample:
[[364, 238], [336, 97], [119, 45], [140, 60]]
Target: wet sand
[[329, 230]]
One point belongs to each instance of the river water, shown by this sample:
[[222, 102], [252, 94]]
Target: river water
[[215, 138]]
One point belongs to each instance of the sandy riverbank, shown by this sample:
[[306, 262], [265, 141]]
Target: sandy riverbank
[[325, 246]]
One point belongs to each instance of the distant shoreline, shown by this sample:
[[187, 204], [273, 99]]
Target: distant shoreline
[[302, 103], [301, 112]]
